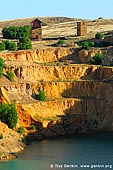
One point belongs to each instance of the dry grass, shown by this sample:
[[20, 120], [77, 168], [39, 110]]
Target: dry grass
[[62, 27]]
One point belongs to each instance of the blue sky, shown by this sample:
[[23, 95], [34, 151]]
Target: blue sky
[[86, 9]]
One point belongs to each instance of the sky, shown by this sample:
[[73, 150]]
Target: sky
[[84, 9]]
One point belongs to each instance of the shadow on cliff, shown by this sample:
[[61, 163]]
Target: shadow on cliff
[[72, 58], [73, 122], [68, 125], [85, 113], [97, 72]]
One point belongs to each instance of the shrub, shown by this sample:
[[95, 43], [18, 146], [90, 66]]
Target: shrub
[[41, 96], [21, 130], [100, 18], [1, 136], [2, 46], [79, 43], [24, 43], [8, 115], [10, 75], [99, 35], [85, 45], [44, 24], [10, 32], [1, 66], [91, 44], [33, 127], [61, 42], [6, 44], [97, 59], [16, 32], [22, 33], [11, 46]]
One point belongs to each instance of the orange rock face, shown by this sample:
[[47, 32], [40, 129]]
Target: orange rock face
[[71, 90], [3, 96], [41, 55], [37, 72], [86, 55]]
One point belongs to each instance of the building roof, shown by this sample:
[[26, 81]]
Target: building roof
[[37, 20]]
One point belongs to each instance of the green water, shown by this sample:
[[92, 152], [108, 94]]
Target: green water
[[91, 150]]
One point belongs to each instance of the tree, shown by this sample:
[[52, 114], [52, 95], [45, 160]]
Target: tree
[[41, 96], [8, 115], [24, 43], [2, 46], [99, 35], [97, 59], [16, 32], [91, 44], [10, 32], [85, 45], [1, 66], [22, 33], [11, 46]]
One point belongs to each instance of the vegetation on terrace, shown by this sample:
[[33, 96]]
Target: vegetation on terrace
[[22, 34], [8, 115]]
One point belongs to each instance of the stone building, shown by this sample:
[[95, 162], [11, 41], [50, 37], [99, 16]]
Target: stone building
[[81, 28], [36, 29]]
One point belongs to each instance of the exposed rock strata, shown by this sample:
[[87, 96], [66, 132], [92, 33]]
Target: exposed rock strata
[[40, 55], [11, 142], [37, 72], [86, 55], [3, 96], [79, 97]]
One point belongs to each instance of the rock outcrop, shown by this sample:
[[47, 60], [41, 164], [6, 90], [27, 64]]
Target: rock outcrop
[[3, 96], [37, 72], [40, 55], [79, 96], [86, 55], [11, 142]]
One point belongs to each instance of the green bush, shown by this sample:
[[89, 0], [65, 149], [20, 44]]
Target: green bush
[[16, 32], [85, 45], [100, 18], [79, 43], [24, 43], [1, 136], [91, 44], [41, 96], [2, 46], [10, 32], [10, 75], [33, 127], [22, 33], [1, 66], [44, 24], [97, 59], [11, 46], [61, 42], [8, 115], [99, 35], [7, 44], [21, 130]]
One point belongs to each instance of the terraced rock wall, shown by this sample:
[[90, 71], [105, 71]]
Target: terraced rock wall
[[79, 97]]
